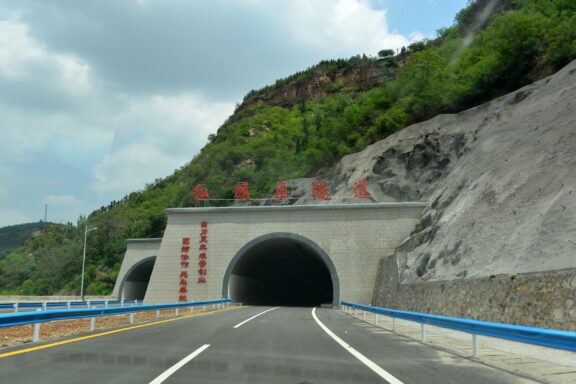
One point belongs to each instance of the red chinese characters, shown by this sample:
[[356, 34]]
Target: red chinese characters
[[200, 192], [184, 264], [360, 190], [320, 190], [242, 192], [203, 253], [281, 192]]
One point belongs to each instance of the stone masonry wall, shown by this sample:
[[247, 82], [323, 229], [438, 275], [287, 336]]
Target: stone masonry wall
[[532, 299]]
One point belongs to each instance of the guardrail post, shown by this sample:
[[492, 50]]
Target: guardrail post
[[355, 312], [177, 311], [92, 324], [36, 334], [132, 318], [394, 324], [69, 305], [106, 304], [475, 348], [422, 333], [191, 309], [88, 304], [15, 307], [158, 314], [122, 303], [44, 305]]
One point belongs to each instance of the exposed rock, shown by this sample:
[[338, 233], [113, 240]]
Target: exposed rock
[[320, 84], [500, 179]]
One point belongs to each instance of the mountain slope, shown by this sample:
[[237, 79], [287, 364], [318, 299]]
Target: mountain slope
[[500, 179], [14, 236], [303, 125]]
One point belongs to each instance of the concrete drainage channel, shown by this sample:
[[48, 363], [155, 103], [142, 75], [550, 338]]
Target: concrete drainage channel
[[22, 334], [542, 364]]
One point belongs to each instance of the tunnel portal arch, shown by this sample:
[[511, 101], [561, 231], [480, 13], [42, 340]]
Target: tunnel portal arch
[[282, 258], [135, 282]]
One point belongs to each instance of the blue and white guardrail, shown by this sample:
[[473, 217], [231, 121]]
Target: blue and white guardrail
[[42, 316], [551, 338], [25, 305]]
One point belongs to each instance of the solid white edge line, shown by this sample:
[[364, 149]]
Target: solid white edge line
[[170, 371], [253, 317], [366, 361]]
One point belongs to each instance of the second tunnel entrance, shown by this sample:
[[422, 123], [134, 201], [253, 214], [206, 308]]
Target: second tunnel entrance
[[283, 271]]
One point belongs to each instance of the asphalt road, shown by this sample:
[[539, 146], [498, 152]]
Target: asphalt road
[[282, 345]]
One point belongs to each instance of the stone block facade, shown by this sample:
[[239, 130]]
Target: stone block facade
[[354, 237], [137, 250]]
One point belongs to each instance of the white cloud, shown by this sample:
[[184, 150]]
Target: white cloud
[[43, 96], [16, 48], [417, 36], [154, 136], [21, 56], [341, 27]]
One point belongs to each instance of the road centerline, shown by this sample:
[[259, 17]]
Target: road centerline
[[253, 317], [170, 371], [366, 361]]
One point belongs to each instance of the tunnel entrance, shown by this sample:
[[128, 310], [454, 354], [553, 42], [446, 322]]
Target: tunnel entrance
[[282, 270], [136, 281]]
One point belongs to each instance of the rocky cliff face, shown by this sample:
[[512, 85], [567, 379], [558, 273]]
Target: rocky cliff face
[[500, 179], [317, 84]]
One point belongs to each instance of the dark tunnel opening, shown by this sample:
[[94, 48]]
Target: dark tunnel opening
[[137, 279], [281, 272]]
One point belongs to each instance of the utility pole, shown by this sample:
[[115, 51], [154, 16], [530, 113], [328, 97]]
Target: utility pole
[[86, 230]]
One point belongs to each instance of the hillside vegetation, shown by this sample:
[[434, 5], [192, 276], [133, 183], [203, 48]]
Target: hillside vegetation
[[13, 236], [304, 124]]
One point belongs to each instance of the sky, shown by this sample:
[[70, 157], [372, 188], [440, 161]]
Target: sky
[[98, 98]]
